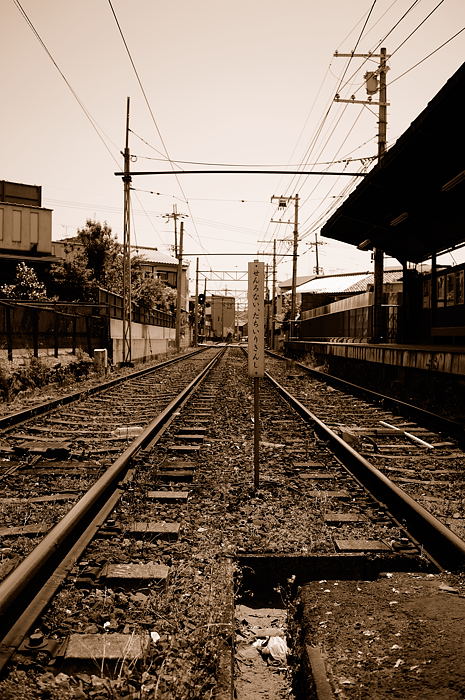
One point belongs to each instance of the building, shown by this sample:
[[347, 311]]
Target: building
[[163, 267], [223, 316], [25, 229]]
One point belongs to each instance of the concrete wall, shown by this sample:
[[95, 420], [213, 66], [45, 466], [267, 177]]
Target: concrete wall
[[147, 341]]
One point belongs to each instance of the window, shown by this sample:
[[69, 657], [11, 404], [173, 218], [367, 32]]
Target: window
[[34, 227], [459, 287], [440, 290], [450, 298], [16, 229]]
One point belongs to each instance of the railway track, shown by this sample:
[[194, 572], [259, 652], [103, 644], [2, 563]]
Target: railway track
[[397, 439], [147, 584]]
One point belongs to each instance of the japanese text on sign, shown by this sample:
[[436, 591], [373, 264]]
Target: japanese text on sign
[[256, 319]]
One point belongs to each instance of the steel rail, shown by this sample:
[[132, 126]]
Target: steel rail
[[23, 587], [441, 545], [20, 416], [433, 420]]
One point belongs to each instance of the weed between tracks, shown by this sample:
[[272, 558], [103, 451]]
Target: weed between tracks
[[193, 615]]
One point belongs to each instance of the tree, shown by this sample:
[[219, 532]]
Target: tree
[[101, 251], [25, 286], [99, 263], [71, 280]]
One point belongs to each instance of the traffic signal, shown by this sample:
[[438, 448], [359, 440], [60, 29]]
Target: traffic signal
[[202, 299]]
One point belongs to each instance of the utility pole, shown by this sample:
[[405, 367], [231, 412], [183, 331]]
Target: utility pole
[[127, 300], [274, 292], [196, 305], [377, 252], [204, 309], [273, 298], [179, 291], [375, 81], [283, 201], [175, 215], [317, 269]]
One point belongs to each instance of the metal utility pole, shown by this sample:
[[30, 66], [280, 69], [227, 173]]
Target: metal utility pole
[[273, 297], [175, 215], [127, 300], [274, 292], [377, 252], [282, 205], [204, 311], [179, 291], [196, 305], [375, 81]]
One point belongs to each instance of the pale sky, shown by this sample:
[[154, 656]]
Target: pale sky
[[229, 83]]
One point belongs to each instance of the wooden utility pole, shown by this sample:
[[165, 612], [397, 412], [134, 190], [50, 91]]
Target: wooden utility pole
[[196, 305], [317, 269], [375, 81], [179, 291], [127, 296]]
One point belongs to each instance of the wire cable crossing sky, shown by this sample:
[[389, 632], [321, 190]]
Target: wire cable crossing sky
[[223, 87]]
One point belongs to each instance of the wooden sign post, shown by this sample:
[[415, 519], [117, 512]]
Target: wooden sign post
[[256, 349]]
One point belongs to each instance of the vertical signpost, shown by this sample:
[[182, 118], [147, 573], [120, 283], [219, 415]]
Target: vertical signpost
[[256, 349]]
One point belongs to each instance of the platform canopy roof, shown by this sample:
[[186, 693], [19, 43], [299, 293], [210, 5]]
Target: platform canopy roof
[[411, 205]]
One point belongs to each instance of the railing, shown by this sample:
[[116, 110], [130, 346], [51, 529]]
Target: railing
[[48, 325]]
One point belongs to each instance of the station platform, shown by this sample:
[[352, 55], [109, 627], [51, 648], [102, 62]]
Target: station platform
[[432, 376], [436, 358]]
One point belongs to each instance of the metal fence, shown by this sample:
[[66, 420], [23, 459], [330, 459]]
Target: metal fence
[[49, 325], [39, 325]]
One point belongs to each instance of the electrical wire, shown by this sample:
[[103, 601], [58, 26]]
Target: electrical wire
[[428, 56], [249, 165], [88, 115], [398, 48], [416, 28], [138, 78], [154, 120], [379, 43], [295, 182]]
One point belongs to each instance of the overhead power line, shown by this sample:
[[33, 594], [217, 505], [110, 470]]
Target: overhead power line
[[138, 77], [90, 118], [428, 56], [153, 118], [252, 165]]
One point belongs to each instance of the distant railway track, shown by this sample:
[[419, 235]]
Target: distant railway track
[[164, 521]]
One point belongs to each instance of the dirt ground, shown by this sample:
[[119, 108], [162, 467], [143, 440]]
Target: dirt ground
[[400, 636]]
